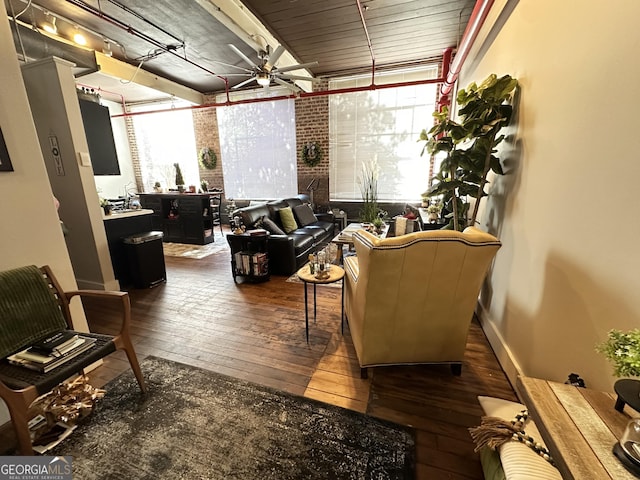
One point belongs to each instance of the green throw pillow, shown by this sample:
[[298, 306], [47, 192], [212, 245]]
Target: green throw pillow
[[288, 220]]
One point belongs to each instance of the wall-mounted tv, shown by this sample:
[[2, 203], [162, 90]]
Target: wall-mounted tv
[[102, 147]]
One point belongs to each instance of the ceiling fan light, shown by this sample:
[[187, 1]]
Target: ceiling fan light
[[263, 79]]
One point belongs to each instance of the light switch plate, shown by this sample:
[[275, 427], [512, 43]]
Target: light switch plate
[[85, 159]]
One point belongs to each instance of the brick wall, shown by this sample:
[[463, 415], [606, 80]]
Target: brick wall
[[205, 127], [312, 125]]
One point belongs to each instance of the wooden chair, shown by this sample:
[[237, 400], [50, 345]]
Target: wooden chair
[[33, 306]]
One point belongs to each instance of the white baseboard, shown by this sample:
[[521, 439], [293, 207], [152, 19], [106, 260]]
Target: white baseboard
[[506, 359]]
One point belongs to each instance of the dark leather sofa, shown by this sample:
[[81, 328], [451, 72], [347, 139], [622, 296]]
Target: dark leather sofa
[[287, 253]]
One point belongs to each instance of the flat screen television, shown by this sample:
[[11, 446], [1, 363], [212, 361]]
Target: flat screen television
[[102, 147]]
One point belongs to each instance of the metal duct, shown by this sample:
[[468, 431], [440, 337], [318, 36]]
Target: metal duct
[[38, 46]]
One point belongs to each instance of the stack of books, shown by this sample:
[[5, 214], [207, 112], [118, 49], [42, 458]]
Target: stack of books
[[52, 351]]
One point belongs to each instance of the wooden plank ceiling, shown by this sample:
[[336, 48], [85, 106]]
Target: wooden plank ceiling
[[331, 31]]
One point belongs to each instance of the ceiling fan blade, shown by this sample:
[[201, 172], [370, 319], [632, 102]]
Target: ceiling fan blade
[[242, 55], [299, 77], [290, 86], [296, 67], [242, 84], [274, 57]]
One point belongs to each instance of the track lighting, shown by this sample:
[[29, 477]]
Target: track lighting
[[79, 37], [106, 49], [50, 25]]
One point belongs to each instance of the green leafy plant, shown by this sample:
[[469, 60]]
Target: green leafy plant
[[469, 145], [179, 179], [623, 350], [434, 208], [369, 191]]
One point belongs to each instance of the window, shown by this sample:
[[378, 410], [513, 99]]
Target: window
[[381, 125], [165, 138], [258, 145]]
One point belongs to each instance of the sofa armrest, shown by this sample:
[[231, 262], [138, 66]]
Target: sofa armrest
[[282, 255], [325, 217]]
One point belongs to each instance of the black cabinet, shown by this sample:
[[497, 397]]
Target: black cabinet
[[182, 217]]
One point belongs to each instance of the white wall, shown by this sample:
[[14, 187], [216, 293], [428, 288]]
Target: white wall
[[56, 112], [30, 232], [569, 267]]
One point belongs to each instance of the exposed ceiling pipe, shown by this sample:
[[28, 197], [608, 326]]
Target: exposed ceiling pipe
[[446, 64], [114, 21], [137, 15], [321, 93], [478, 16], [366, 32]]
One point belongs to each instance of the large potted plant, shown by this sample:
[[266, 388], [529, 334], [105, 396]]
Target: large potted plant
[[470, 146]]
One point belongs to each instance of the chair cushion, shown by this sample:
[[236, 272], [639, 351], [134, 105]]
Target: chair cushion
[[28, 309], [301, 242], [304, 215], [316, 232], [288, 220], [269, 225]]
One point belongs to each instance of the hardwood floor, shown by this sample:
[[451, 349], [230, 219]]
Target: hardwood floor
[[256, 332]]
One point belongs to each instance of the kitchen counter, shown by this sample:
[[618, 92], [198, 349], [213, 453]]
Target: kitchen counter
[[115, 214]]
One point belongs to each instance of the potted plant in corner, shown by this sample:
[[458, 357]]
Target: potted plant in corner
[[469, 145], [623, 350]]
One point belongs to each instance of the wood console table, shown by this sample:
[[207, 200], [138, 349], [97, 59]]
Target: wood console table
[[579, 426]]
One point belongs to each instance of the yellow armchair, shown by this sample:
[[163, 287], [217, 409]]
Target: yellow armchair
[[410, 299]]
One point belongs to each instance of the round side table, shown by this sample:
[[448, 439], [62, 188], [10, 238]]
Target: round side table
[[336, 273]]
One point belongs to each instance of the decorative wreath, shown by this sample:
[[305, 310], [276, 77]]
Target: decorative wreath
[[311, 154], [208, 158]]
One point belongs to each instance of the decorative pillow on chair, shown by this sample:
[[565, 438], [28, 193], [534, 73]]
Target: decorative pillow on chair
[[288, 220], [269, 225], [304, 214]]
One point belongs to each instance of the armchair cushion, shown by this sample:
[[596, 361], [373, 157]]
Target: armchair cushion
[[304, 214], [288, 220]]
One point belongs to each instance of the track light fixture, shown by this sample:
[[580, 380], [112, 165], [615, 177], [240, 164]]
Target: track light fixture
[[106, 49], [50, 25], [78, 37]]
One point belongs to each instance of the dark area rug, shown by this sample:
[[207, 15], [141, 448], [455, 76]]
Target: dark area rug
[[196, 424]]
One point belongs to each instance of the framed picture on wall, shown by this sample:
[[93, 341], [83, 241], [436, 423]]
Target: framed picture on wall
[[5, 161]]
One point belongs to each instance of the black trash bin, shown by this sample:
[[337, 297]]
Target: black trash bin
[[146, 259]]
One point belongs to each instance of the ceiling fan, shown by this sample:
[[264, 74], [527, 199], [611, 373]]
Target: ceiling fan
[[266, 70]]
